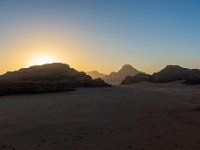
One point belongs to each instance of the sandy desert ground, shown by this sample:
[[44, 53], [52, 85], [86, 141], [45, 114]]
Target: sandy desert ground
[[143, 116]]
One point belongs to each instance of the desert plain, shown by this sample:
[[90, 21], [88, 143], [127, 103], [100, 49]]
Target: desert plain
[[140, 116]]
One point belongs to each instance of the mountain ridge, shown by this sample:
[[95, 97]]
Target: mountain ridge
[[46, 78], [117, 77], [169, 73]]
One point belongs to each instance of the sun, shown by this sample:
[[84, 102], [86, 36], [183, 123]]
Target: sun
[[42, 60]]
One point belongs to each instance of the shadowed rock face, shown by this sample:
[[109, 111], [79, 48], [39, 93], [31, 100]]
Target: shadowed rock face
[[137, 78], [99, 82], [46, 78], [194, 77], [117, 77], [168, 74]]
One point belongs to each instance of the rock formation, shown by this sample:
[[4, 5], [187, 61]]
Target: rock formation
[[46, 78], [194, 77], [168, 74], [117, 77], [137, 78]]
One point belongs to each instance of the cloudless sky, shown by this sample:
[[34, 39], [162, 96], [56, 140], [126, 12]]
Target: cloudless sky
[[100, 34]]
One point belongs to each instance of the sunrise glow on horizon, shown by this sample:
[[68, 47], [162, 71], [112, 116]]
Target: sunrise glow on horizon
[[99, 35], [42, 60]]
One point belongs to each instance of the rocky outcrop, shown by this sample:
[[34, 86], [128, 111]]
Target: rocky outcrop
[[117, 77], [168, 74], [137, 78], [194, 77], [46, 78], [99, 83]]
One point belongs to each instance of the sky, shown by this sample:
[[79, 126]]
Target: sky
[[100, 35]]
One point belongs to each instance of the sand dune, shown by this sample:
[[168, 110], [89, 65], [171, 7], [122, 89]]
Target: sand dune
[[137, 116]]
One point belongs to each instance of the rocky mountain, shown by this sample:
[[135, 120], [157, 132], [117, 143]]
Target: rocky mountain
[[96, 74], [168, 74], [137, 78], [117, 77], [46, 78]]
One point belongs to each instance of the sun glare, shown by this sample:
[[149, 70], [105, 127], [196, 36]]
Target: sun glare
[[42, 60]]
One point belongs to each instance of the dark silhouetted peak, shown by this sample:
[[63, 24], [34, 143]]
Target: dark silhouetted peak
[[37, 72], [54, 67], [173, 68], [127, 69], [117, 77], [170, 73], [46, 78]]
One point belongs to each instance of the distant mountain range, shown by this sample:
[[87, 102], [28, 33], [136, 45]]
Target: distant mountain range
[[61, 77], [115, 77], [168, 74], [46, 78], [96, 74]]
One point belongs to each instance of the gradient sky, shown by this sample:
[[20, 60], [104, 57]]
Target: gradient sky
[[100, 34]]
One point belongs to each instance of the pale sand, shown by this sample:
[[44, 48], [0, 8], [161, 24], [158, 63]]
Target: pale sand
[[138, 116]]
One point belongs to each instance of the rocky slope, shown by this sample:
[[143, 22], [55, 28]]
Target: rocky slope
[[46, 78], [117, 77], [168, 74], [137, 78]]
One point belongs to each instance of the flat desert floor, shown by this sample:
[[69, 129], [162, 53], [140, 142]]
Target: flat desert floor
[[143, 116]]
